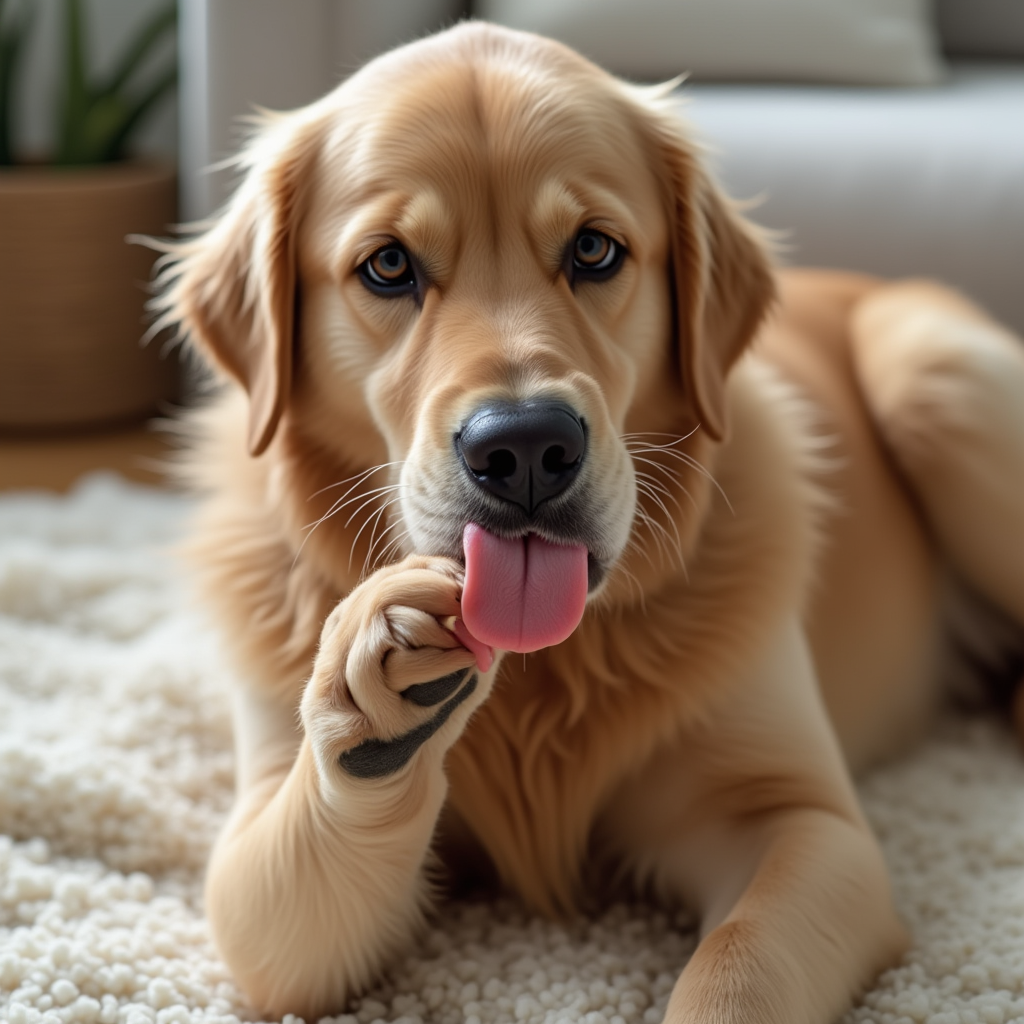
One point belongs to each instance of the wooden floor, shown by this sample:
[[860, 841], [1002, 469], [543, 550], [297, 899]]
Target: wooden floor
[[55, 462]]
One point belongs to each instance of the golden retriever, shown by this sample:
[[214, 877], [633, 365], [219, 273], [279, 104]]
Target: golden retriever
[[507, 372]]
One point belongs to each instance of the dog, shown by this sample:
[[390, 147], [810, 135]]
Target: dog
[[558, 534]]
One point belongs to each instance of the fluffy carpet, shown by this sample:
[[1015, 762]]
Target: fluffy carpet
[[115, 770]]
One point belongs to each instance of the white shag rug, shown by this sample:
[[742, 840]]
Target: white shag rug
[[115, 771]]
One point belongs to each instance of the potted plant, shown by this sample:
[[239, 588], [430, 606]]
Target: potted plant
[[71, 288]]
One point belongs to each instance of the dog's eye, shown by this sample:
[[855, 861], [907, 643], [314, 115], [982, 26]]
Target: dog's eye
[[389, 271], [595, 256]]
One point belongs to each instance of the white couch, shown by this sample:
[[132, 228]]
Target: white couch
[[891, 181]]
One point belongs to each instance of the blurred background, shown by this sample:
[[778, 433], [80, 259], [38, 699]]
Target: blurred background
[[879, 135]]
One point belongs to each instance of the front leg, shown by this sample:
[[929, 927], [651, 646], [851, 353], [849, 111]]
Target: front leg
[[813, 924], [318, 879], [753, 821]]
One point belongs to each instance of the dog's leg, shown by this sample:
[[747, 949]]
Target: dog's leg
[[751, 818], [319, 876], [945, 384]]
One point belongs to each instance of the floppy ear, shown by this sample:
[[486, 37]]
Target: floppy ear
[[233, 288], [722, 279]]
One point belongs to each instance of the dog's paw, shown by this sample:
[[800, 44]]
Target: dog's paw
[[389, 676]]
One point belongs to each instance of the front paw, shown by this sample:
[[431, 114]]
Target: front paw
[[389, 677]]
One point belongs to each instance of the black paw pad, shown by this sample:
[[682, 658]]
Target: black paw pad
[[426, 695], [376, 759]]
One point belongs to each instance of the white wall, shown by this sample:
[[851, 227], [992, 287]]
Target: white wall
[[237, 55]]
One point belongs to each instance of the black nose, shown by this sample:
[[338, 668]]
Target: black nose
[[523, 452]]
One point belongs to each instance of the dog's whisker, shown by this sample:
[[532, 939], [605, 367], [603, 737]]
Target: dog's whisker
[[652, 482], [357, 477], [366, 522], [647, 520], [387, 529], [690, 461], [369, 500], [372, 561], [630, 577], [669, 471], [366, 497], [311, 527], [393, 545], [664, 539], [676, 438], [374, 518], [333, 510], [661, 552], [641, 549], [668, 516], [658, 486], [645, 489], [373, 543], [634, 582], [672, 478], [339, 504]]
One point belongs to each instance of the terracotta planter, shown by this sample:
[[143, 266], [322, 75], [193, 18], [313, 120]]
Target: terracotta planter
[[72, 294]]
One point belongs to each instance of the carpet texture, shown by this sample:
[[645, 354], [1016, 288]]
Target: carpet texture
[[115, 771]]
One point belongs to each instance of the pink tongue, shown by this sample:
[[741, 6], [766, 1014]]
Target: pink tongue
[[521, 595]]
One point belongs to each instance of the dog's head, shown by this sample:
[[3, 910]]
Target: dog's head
[[496, 269]]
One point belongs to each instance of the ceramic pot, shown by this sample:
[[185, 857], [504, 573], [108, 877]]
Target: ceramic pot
[[73, 291]]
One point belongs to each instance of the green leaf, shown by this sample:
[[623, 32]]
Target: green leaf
[[115, 146], [102, 121], [96, 121], [76, 97], [13, 38], [147, 38]]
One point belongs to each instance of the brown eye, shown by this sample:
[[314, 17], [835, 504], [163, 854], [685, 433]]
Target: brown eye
[[389, 264], [595, 256], [389, 271]]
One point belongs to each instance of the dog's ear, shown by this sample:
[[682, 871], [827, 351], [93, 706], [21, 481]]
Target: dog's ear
[[721, 275], [233, 288]]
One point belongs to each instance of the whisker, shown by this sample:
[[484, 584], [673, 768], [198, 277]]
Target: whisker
[[672, 475], [640, 549], [373, 541], [357, 477], [634, 548], [393, 544], [657, 485], [369, 501], [646, 519], [633, 581], [676, 438], [690, 461], [384, 533], [339, 504], [664, 539], [366, 522], [646, 489], [646, 477], [675, 528], [669, 471]]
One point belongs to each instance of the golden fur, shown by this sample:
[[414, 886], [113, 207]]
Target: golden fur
[[778, 528]]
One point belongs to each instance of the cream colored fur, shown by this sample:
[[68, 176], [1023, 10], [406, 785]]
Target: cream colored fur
[[776, 490]]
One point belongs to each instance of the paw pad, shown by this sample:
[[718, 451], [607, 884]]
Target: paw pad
[[376, 759]]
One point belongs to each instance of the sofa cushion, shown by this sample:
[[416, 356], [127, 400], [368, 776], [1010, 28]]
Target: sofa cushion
[[981, 28], [890, 42], [895, 182]]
